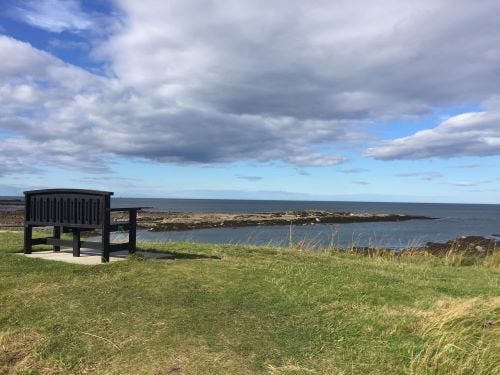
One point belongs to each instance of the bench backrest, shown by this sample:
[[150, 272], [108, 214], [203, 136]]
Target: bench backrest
[[67, 207]]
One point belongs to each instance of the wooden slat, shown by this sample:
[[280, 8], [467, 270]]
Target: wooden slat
[[39, 241], [58, 242], [91, 245], [118, 246]]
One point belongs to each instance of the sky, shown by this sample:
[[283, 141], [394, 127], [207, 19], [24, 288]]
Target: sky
[[313, 100]]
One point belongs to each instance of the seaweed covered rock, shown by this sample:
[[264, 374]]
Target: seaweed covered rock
[[470, 245]]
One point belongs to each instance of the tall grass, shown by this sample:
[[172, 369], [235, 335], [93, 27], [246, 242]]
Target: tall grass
[[461, 337]]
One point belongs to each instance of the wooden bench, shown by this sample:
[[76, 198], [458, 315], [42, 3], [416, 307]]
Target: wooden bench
[[74, 211]]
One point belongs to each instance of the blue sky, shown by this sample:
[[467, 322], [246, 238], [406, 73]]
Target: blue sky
[[346, 100]]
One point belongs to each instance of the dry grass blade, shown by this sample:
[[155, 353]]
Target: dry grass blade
[[461, 337], [102, 338]]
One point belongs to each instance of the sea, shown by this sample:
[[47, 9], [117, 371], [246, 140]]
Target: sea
[[450, 221]]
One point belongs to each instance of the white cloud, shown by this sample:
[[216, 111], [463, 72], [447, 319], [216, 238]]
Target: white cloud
[[217, 82], [428, 176], [53, 15], [315, 160], [94, 118], [250, 178], [354, 170], [468, 166], [68, 45], [468, 134], [360, 182], [342, 60], [20, 155], [464, 183], [17, 97]]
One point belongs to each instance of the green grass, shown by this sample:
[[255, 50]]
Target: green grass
[[228, 309]]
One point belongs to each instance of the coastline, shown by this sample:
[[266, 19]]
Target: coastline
[[11, 219], [11, 216], [178, 221]]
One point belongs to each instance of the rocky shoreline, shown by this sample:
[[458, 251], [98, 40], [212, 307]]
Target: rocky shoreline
[[7, 205], [12, 216], [475, 246], [11, 202], [177, 221]]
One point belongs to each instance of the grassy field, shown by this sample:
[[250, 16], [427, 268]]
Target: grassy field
[[225, 309]]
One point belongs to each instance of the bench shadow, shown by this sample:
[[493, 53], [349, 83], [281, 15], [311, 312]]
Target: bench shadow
[[177, 255]]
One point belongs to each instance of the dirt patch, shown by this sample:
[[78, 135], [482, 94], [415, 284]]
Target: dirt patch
[[18, 354]]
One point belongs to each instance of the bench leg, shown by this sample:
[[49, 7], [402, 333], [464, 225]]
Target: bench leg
[[76, 242], [105, 246], [57, 235], [132, 232], [28, 236]]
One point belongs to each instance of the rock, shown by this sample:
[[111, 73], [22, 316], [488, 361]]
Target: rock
[[472, 245]]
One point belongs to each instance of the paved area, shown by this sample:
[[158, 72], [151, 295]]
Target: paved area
[[89, 256]]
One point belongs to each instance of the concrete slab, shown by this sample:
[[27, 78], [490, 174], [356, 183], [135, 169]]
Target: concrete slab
[[89, 256]]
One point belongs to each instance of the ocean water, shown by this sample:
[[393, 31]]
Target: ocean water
[[451, 221]]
